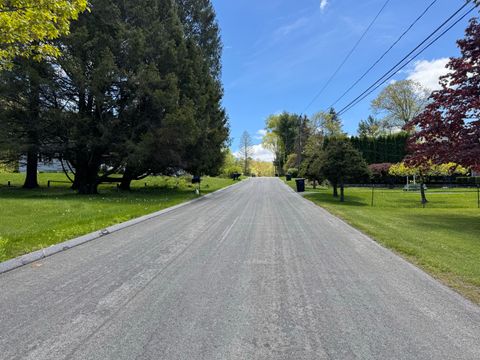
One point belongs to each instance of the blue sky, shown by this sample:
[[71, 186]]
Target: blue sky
[[279, 53]]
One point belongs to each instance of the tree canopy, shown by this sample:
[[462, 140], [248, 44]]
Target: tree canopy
[[135, 92], [28, 26], [341, 162], [449, 127], [400, 102]]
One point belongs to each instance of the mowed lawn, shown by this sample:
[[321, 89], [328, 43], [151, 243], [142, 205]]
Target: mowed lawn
[[34, 219], [443, 238]]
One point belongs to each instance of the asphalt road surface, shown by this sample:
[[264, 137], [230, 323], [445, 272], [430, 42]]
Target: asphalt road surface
[[254, 272]]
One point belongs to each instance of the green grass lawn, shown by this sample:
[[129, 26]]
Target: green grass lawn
[[34, 219], [443, 238]]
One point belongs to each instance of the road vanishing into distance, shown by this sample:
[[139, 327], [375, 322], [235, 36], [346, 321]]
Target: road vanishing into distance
[[253, 272]]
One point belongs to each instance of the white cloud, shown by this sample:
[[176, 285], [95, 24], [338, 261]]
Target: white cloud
[[323, 5], [262, 154], [259, 153], [260, 134], [428, 73]]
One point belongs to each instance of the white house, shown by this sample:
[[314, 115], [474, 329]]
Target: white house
[[44, 165]]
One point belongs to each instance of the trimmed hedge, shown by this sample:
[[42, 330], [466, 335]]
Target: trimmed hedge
[[470, 180]]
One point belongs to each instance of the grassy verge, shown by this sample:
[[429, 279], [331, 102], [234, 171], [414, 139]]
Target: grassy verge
[[34, 219], [443, 238]]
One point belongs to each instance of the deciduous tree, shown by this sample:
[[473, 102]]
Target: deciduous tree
[[328, 123], [422, 171], [246, 151], [28, 26], [286, 134], [449, 128], [400, 102]]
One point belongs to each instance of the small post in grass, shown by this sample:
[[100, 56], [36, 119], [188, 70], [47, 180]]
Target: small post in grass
[[9, 184], [373, 194]]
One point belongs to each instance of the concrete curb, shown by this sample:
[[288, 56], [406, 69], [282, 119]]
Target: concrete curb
[[69, 244]]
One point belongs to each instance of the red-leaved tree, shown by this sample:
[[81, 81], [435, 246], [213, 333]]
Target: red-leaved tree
[[449, 128]]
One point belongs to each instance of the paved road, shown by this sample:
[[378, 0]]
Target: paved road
[[255, 272]]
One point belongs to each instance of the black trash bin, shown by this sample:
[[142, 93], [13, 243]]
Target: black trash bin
[[300, 185], [288, 177]]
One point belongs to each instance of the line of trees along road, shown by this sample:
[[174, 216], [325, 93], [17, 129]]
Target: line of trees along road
[[436, 133], [136, 91]]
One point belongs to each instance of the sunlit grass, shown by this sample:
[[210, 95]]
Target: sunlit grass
[[34, 219]]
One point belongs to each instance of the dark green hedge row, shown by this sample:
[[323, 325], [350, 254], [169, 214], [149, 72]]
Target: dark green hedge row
[[472, 180]]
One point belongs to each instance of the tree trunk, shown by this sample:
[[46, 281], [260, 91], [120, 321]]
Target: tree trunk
[[31, 178], [314, 184], [422, 192], [335, 190], [342, 192], [89, 185], [86, 179], [125, 184]]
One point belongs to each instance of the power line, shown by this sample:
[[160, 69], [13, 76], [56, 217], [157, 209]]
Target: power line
[[347, 57], [389, 74], [385, 53]]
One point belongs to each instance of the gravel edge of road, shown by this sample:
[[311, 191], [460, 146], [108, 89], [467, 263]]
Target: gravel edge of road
[[29, 258]]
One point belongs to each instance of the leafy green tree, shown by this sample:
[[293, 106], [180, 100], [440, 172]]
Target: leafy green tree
[[370, 128], [303, 133], [400, 102], [291, 162], [135, 91], [27, 26], [285, 134], [311, 164], [328, 123], [423, 171], [341, 162], [230, 164], [272, 142]]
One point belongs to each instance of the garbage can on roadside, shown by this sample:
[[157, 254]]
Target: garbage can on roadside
[[288, 177], [300, 185]]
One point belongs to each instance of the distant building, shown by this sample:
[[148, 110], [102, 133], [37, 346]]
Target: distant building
[[44, 165]]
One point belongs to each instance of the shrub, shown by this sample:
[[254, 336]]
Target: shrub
[[293, 172], [471, 180]]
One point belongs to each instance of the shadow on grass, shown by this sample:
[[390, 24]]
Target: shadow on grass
[[64, 193], [466, 225], [324, 198]]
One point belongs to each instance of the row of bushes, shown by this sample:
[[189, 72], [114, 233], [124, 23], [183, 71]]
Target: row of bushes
[[471, 180]]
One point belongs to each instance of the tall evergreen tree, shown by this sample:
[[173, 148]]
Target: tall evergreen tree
[[25, 98], [90, 89], [157, 110], [200, 25]]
